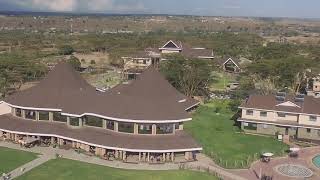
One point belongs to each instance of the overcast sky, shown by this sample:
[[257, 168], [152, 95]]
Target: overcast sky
[[264, 8]]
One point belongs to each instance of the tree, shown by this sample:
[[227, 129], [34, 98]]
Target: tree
[[190, 76], [66, 50], [75, 63]]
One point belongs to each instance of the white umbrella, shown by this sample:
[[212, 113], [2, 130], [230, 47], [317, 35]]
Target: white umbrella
[[294, 149], [267, 154]]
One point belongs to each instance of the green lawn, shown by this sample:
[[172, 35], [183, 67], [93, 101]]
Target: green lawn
[[11, 159], [63, 169], [222, 141], [220, 81]]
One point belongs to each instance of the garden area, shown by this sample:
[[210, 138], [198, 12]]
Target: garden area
[[11, 159], [214, 128], [220, 81], [68, 169]]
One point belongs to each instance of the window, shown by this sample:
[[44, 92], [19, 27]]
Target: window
[[145, 129], [249, 112], [312, 118], [18, 112], [250, 126], [164, 128], [281, 114], [58, 117], [308, 130], [126, 127], [44, 116], [263, 114], [93, 121], [74, 121], [110, 125], [265, 126], [30, 114]]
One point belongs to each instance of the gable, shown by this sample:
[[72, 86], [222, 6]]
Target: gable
[[171, 45], [228, 61], [289, 104]]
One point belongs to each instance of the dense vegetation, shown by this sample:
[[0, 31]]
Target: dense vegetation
[[64, 169]]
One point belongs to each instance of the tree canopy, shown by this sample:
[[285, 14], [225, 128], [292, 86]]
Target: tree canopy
[[190, 77]]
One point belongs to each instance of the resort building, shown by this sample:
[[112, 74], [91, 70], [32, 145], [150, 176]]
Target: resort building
[[290, 116], [136, 63], [137, 122], [314, 87]]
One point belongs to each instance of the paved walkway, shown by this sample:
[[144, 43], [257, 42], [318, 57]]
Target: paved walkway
[[48, 153], [203, 164], [27, 167]]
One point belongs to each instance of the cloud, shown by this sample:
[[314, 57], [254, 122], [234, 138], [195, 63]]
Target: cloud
[[55, 5], [80, 5]]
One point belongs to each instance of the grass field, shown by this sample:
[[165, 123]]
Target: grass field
[[63, 169], [220, 81], [223, 141], [11, 159]]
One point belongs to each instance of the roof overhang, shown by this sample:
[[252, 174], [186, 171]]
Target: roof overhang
[[106, 147]]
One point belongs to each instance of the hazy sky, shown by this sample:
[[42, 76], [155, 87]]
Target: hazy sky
[[266, 8]]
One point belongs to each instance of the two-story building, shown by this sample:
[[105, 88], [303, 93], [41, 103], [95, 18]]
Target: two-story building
[[290, 116], [135, 64]]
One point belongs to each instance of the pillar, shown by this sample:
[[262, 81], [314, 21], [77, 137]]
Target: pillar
[[80, 122], [116, 154], [16, 137], [172, 156], [50, 116], [68, 120], [13, 111], [124, 156], [148, 158], [74, 144], [187, 155], [144, 156], [154, 129], [164, 157], [174, 129], [116, 126], [98, 151], [52, 140], [78, 145], [104, 124], [87, 148], [139, 157], [168, 157], [181, 126], [120, 155], [1, 133], [37, 115], [136, 128], [102, 152], [23, 113]]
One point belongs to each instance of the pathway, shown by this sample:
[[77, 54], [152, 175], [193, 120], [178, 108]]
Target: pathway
[[49, 153], [27, 167]]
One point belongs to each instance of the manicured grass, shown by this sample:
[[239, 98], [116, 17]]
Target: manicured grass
[[11, 159], [63, 169], [224, 142]]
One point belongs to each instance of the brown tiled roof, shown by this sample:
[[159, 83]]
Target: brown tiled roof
[[310, 105], [178, 141], [150, 97]]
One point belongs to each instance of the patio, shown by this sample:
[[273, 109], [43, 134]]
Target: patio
[[301, 166]]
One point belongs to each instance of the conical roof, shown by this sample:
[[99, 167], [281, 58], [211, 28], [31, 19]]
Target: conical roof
[[148, 98], [61, 84]]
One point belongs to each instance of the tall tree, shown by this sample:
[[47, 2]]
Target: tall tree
[[190, 76]]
